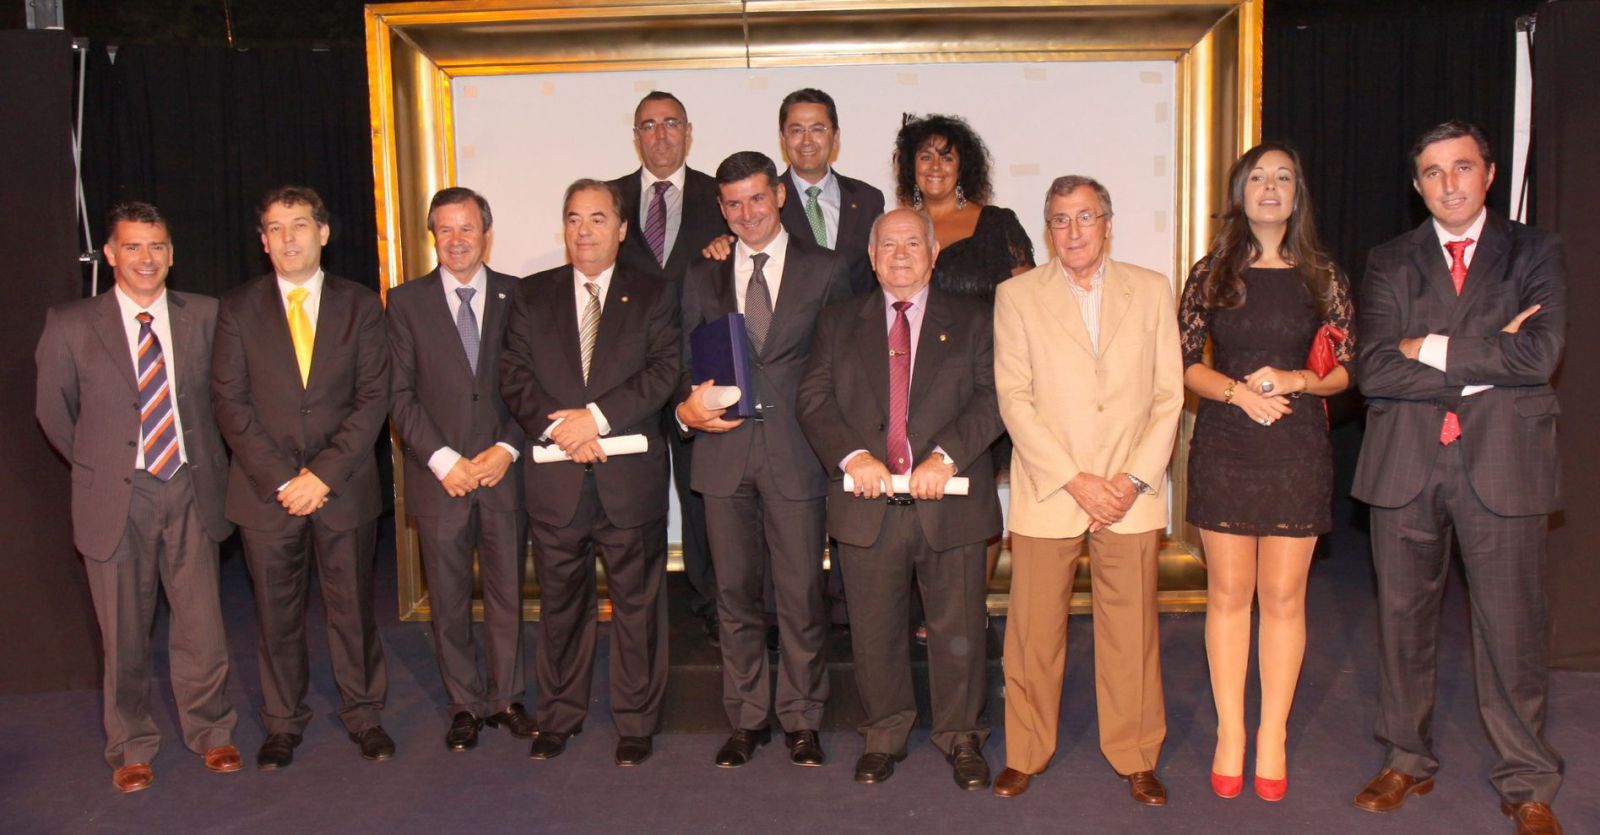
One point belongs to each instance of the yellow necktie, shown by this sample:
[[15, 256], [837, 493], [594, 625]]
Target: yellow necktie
[[300, 331]]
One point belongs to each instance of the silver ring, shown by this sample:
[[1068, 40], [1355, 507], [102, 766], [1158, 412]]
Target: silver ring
[[1266, 386], [1266, 421]]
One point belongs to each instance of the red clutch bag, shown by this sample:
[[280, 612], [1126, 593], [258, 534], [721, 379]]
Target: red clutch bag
[[1322, 358]]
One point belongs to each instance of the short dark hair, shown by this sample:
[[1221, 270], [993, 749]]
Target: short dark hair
[[292, 195], [588, 184], [1453, 129], [132, 211], [746, 164], [807, 95], [659, 95], [459, 194], [915, 132]]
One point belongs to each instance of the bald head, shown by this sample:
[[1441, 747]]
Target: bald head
[[902, 249]]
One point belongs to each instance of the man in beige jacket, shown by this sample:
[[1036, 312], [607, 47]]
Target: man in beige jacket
[[1090, 382]]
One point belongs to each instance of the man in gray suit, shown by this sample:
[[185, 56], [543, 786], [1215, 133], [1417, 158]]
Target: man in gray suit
[[901, 382], [1462, 322], [445, 333], [760, 471], [124, 396]]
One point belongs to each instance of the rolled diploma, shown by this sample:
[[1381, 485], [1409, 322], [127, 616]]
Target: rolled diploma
[[720, 397], [620, 445], [956, 486]]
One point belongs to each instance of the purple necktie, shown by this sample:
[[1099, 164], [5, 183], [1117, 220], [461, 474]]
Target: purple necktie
[[157, 427], [899, 390], [655, 223]]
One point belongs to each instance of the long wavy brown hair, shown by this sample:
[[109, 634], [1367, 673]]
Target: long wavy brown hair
[[1236, 248]]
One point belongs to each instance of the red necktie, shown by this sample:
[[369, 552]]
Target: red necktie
[[899, 390], [1450, 430]]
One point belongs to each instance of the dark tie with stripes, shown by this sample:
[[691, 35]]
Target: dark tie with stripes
[[158, 431]]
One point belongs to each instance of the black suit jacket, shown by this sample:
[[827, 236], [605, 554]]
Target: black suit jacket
[[844, 406], [631, 375], [701, 222], [275, 426], [437, 400], [88, 405], [1508, 433], [859, 206], [813, 277]]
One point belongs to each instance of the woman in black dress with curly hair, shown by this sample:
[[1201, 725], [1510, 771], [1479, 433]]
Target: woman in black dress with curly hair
[[1260, 467], [942, 168]]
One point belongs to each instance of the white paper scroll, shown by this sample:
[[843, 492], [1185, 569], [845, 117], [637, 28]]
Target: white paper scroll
[[956, 486], [620, 445]]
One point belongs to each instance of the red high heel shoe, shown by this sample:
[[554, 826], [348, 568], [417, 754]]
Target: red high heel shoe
[[1227, 787], [1271, 791]]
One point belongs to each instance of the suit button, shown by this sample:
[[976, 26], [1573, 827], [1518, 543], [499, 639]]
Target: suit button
[[474, 398], [880, 427], [127, 481], [131, 443], [305, 411], [1100, 408]]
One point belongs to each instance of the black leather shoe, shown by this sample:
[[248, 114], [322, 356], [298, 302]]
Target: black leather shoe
[[713, 628], [547, 745], [804, 749], [875, 767], [634, 750], [463, 733], [971, 769], [515, 720], [741, 747], [277, 751], [375, 744]]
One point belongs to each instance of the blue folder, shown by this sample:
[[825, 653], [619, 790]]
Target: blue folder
[[721, 352]]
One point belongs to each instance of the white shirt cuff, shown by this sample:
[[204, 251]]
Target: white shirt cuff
[[1434, 351], [602, 425], [845, 460], [951, 462], [515, 453], [443, 461]]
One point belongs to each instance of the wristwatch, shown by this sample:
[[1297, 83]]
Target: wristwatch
[[1138, 484]]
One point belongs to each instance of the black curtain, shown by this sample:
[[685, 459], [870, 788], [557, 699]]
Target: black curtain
[[1566, 120], [1352, 85], [48, 622], [204, 132]]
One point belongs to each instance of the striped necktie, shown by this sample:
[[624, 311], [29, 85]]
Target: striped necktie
[[158, 430], [655, 223], [589, 326]]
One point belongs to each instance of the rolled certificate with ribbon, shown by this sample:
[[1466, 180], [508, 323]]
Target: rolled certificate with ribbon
[[956, 486], [620, 445]]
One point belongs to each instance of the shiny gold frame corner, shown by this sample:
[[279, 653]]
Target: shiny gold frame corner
[[414, 50]]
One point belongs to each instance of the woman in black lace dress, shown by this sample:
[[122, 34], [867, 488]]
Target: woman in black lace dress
[[1260, 467], [942, 168]]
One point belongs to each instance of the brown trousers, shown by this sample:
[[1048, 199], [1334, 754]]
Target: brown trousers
[[1127, 648]]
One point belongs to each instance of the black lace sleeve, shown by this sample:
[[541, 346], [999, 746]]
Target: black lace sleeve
[[1193, 326], [1019, 247], [1341, 314]]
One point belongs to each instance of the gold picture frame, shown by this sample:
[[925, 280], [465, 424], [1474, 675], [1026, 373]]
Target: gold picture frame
[[415, 50]]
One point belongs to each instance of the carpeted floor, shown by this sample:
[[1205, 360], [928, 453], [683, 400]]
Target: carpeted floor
[[53, 777]]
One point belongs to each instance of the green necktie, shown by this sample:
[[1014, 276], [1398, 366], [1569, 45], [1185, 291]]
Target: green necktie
[[819, 228]]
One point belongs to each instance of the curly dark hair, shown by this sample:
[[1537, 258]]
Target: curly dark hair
[[917, 132], [1236, 248]]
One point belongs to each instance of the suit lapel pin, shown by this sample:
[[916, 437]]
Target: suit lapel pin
[[944, 337], [500, 295], [624, 299]]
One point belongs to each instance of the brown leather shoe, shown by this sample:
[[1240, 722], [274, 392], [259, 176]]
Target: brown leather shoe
[[1012, 783], [1388, 791], [133, 778], [1531, 818], [223, 759], [1146, 788]]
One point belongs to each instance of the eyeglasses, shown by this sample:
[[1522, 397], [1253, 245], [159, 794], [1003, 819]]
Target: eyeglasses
[[815, 131], [669, 124], [1083, 220]]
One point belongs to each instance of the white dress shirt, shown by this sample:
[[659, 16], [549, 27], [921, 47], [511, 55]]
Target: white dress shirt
[[580, 300], [442, 461], [772, 271], [1435, 350], [1089, 301], [161, 325], [674, 200], [828, 200], [914, 313], [312, 301]]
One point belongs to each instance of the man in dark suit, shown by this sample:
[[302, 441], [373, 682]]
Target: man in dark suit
[[672, 209], [300, 381], [445, 333], [123, 395], [901, 382], [592, 353], [826, 207], [1461, 325], [760, 471]]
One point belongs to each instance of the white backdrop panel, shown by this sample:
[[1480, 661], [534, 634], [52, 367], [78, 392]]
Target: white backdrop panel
[[521, 139]]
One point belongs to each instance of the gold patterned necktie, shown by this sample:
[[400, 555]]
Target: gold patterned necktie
[[300, 332]]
